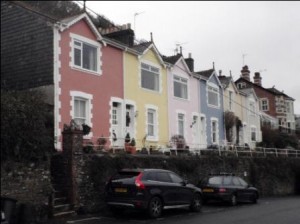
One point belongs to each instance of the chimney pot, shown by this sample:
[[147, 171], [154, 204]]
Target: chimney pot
[[245, 73], [257, 78]]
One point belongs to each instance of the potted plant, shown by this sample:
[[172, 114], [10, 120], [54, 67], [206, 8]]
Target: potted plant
[[86, 129], [102, 142], [132, 146]]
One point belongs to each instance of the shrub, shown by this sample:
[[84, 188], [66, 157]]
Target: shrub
[[26, 126]]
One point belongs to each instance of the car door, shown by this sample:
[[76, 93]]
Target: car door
[[239, 188], [247, 193], [167, 187], [184, 193]]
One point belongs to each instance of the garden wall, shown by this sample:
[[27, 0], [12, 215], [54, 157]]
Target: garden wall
[[30, 185], [272, 176]]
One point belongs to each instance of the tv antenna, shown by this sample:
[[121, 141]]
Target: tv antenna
[[262, 70], [178, 48], [244, 55], [135, 15]]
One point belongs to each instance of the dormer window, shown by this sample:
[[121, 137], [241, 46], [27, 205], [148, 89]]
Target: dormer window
[[213, 95], [150, 77], [241, 85], [180, 87]]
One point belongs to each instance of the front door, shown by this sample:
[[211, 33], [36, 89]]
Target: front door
[[117, 135], [196, 132], [203, 143], [130, 120]]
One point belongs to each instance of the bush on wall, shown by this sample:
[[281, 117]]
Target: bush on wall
[[26, 126]]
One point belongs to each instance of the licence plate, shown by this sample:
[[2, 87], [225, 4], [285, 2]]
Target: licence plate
[[208, 190], [120, 190]]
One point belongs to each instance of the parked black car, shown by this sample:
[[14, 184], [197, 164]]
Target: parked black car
[[229, 188], [152, 190]]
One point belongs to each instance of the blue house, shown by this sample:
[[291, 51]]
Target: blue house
[[211, 109]]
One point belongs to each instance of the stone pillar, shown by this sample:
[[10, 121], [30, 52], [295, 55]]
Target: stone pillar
[[72, 146]]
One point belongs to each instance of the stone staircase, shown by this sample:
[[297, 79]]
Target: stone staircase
[[58, 201]]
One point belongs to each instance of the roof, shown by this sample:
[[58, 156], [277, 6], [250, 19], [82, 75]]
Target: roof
[[206, 73], [142, 46], [171, 59], [270, 90], [277, 92], [225, 80]]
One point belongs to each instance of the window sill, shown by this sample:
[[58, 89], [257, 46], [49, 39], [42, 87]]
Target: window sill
[[180, 99], [151, 91], [86, 71], [213, 106]]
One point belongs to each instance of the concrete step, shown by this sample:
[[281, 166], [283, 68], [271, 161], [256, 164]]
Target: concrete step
[[60, 200], [62, 208], [64, 214]]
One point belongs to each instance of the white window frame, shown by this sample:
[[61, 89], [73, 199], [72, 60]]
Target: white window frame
[[182, 81], [89, 107], [253, 129], [214, 120], [252, 108], [213, 88], [241, 85], [264, 104], [84, 40], [183, 122], [151, 65], [114, 115], [154, 109], [230, 100]]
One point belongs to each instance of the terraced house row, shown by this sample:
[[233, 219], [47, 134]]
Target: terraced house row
[[102, 78]]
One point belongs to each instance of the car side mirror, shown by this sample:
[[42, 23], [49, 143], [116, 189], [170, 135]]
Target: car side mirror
[[185, 182]]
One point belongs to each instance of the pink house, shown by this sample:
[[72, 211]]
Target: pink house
[[88, 74], [80, 71]]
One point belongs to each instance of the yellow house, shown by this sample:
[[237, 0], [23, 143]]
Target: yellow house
[[232, 99], [145, 96]]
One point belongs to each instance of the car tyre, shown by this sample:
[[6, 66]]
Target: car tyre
[[116, 211], [233, 200], [196, 204], [155, 207], [254, 198]]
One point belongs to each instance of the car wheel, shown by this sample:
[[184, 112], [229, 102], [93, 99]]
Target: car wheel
[[196, 203], [233, 200], [155, 207], [254, 198], [116, 211]]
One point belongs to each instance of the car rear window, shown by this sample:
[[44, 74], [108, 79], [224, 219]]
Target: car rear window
[[125, 175], [215, 180]]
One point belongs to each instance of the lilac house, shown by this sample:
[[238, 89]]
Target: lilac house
[[183, 100]]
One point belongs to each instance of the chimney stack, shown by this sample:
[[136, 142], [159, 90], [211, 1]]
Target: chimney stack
[[245, 73], [190, 62], [220, 72], [257, 78]]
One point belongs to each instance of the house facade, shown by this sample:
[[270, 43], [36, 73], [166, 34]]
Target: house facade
[[233, 110], [211, 109], [183, 101], [146, 96], [272, 101], [69, 61], [251, 125]]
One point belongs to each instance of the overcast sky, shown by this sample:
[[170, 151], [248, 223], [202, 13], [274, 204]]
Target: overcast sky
[[266, 33]]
